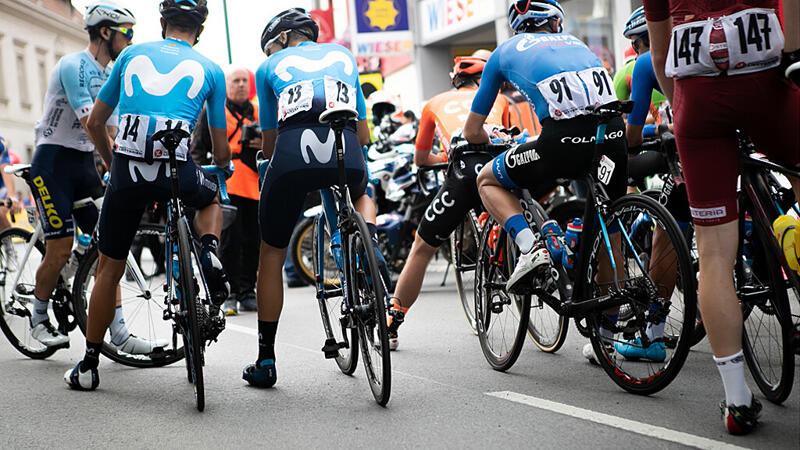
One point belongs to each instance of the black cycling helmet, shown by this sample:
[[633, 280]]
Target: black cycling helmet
[[291, 19], [184, 11]]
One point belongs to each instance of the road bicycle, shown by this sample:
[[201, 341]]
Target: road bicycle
[[609, 275], [354, 306]]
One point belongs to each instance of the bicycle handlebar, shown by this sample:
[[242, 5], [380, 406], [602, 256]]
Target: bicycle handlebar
[[421, 170], [221, 175]]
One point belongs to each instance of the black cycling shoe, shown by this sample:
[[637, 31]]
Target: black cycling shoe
[[740, 419], [217, 279], [262, 374]]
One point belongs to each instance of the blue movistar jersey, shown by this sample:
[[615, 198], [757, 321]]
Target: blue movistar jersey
[[557, 74], [74, 84], [642, 84], [5, 158], [159, 85], [298, 83]]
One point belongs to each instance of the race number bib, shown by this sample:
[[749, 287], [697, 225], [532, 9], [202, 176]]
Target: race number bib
[[159, 152], [131, 138], [339, 94], [564, 95], [599, 84], [294, 99], [748, 41], [605, 170]]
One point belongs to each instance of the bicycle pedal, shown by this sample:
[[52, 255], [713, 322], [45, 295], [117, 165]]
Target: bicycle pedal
[[331, 348]]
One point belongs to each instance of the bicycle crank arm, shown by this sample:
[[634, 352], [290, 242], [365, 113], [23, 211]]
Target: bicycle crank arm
[[580, 310]]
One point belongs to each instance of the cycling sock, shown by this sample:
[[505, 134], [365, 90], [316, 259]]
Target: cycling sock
[[39, 311], [209, 242], [655, 331], [605, 332], [266, 340], [401, 311], [517, 227], [731, 369], [92, 357], [119, 332]]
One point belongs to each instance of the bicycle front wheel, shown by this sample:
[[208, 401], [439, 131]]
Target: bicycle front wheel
[[142, 307], [369, 300], [18, 276], [643, 349], [333, 308], [193, 341], [464, 256], [501, 318]]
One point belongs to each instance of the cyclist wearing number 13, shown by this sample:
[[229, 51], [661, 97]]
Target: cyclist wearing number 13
[[724, 57], [299, 80], [560, 76], [157, 85]]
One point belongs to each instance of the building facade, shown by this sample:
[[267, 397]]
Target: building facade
[[34, 35]]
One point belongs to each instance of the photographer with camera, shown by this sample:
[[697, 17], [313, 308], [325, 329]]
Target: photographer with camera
[[240, 241]]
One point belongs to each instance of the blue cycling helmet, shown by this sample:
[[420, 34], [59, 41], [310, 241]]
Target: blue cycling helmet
[[636, 24], [539, 11]]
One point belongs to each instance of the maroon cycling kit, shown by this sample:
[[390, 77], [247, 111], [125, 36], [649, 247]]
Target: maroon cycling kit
[[723, 56]]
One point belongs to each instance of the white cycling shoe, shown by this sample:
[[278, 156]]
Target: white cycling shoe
[[48, 336], [82, 381], [588, 353], [135, 345], [527, 265]]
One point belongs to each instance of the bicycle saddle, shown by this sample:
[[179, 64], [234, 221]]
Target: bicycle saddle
[[171, 137], [623, 107], [340, 113]]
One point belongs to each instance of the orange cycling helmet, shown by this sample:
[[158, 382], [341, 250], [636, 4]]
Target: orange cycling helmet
[[467, 65]]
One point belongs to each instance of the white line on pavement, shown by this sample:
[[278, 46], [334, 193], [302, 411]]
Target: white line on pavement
[[632, 426], [254, 332]]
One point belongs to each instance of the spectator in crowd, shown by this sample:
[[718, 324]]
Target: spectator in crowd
[[7, 188], [240, 241]]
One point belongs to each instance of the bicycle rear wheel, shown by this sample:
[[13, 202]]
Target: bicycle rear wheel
[[301, 247], [333, 309], [501, 318], [369, 300], [16, 301], [143, 308], [652, 298], [192, 338], [464, 256]]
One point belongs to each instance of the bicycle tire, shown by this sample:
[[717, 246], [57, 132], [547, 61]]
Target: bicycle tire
[[15, 316], [770, 316], [332, 307], [640, 376], [546, 327], [371, 316], [193, 340], [491, 301], [137, 301], [463, 255], [301, 249]]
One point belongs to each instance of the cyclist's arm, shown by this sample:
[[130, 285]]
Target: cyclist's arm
[[267, 111], [644, 81], [95, 125], [424, 142], [491, 80], [268, 138], [659, 26], [217, 121], [362, 130], [791, 20]]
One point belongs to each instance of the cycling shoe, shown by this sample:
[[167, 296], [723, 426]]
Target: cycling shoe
[[633, 350], [82, 381], [262, 374], [217, 279]]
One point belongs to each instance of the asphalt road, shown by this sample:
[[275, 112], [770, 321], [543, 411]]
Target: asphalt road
[[444, 395]]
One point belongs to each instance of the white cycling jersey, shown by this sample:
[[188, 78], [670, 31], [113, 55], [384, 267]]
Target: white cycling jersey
[[74, 84]]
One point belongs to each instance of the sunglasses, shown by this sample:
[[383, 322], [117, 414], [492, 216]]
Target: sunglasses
[[125, 31]]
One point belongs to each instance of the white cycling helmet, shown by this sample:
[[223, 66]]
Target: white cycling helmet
[[107, 11], [539, 11], [636, 24]]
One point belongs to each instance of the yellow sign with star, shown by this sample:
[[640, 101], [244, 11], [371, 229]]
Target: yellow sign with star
[[381, 15]]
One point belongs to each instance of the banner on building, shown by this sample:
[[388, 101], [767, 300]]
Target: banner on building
[[381, 27], [324, 19], [439, 19]]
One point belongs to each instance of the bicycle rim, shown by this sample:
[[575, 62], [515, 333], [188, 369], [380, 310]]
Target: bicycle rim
[[301, 247], [193, 340], [16, 302], [369, 296], [464, 252], [632, 372]]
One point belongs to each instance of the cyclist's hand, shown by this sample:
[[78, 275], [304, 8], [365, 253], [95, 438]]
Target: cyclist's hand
[[790, 67], [228, 169], [16, 205]]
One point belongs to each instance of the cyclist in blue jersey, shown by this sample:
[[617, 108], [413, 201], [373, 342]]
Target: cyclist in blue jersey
[[63, 168], [560, 77], [156, 85], [7, 193], [299, 80]]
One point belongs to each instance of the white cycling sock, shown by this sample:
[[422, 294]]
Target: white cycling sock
[[39, 311], [731, 369], [119, 332], [525, 240], [655, 331]]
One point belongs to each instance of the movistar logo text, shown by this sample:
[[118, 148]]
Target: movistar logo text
[[155, 83]]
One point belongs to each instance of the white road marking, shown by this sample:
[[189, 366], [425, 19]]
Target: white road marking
[[632, 426], [254, 332]]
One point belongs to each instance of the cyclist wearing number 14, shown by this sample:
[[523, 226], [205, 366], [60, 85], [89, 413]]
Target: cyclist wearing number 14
[[300, 80], [724, 58], [157, 85], [560, 76]]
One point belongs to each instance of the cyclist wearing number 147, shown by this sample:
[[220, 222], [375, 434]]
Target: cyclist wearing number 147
[[299, 80], [560, 76], [157, 85]]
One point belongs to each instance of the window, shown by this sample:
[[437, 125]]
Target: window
[[22, 76], [3, 95], [41, 71]]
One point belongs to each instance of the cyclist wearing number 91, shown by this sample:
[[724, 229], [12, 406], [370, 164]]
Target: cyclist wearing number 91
[[724, 57], [560, 76], [299, 80], [157, 85]]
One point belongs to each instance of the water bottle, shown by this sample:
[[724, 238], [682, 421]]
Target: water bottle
[[785, 232], [572, 238], [336, 248], [551, 233], [83, 242], [747, 242]]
